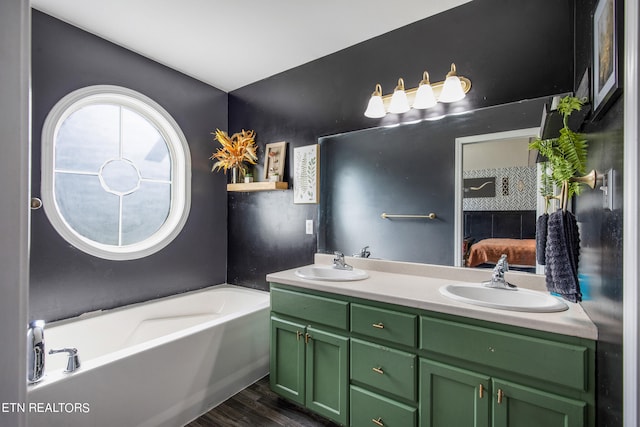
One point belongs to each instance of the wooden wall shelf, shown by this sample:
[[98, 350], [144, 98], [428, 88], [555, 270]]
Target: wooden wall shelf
[[258, 186]]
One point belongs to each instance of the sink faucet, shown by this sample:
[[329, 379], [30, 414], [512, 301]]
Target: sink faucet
[[339, 263], [497, 277], [364, 253], [73, 362], [35, 351]]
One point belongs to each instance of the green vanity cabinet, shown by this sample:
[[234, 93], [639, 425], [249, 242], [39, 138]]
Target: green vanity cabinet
[[499, 378], [457, 397], [309, 357], [367, 363]]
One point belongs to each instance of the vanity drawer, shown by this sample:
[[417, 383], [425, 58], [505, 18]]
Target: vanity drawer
[[379, 323], [552, 361], [384, 368], [312, 308], [369, 409]]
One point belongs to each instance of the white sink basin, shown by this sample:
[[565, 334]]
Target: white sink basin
[[328, 273], [513, 300]]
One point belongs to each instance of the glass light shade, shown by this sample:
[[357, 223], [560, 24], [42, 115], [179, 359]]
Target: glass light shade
[[399, 103], [375, 108], [424, 97], [451, 90]]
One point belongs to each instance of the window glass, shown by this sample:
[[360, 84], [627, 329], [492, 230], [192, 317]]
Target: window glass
[[116, 172], [87, 137]]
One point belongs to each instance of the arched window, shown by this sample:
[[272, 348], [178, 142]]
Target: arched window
[[116, 172]]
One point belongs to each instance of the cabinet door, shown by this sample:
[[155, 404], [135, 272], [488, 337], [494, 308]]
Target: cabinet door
[[451, 396], [515, 405], [287, 360], [327, 379]]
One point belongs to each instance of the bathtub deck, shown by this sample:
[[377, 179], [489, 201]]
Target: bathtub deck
[[258, 406]]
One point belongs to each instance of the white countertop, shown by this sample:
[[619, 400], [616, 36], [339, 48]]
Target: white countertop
[[417, 285]]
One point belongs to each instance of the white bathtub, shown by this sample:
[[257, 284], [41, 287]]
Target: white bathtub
[[160, 363]]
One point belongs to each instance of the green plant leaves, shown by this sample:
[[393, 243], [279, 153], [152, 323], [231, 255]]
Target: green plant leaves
[[566, 154]]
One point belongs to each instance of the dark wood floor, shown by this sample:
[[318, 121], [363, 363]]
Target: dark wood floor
[[258, 406]]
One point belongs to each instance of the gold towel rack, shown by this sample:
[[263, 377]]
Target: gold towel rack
[[391, 216], [590, 179]]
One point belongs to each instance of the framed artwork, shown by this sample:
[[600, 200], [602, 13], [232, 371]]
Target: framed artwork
[[275, 154], [306, 184], [605, 70], [479, 187]]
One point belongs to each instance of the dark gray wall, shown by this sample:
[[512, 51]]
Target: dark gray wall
[[601, 234], [65, 281], [510, 50]]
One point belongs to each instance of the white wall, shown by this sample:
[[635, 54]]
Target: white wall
[[15, 34], [501, 153]]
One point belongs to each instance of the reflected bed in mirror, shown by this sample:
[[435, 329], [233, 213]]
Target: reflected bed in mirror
[[411, 169]]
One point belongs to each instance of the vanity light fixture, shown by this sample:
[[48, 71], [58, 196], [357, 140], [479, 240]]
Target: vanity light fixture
[[426, 95]]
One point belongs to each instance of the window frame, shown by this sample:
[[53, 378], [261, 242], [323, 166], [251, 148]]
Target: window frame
[[180, 166]]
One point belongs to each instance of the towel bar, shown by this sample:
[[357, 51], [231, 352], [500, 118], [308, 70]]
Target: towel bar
[[390, 216]]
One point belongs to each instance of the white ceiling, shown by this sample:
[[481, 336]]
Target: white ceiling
[[230, 44]]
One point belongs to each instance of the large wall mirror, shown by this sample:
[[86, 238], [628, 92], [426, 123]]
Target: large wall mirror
[[413, 169]]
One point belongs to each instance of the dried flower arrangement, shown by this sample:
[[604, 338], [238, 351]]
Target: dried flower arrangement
[[236, 150]]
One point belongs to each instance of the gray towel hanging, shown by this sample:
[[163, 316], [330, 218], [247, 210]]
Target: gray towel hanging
[[541, 237], [562, 254]]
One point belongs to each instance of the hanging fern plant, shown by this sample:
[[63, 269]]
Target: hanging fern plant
[[566, 155]]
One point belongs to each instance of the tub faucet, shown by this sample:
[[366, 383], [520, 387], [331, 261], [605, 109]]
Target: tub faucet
[[35, 351], [73, 362], [339, 263], [497, 277]]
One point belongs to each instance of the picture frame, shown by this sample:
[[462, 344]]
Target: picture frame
[[479, 187], [306, 170], [605, 70], [274, 158]]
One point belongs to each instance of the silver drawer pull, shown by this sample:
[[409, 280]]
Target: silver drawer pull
[[378, 370], [378, 422], [378, 325]]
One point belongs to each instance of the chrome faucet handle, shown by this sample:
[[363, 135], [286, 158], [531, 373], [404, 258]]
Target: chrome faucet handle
[[35, 351], [73, 362], [502, 266], [339, 262], [364, 253], [497, 276]]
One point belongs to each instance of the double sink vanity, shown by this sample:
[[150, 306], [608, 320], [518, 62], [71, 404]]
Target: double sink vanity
[[402, 344]]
